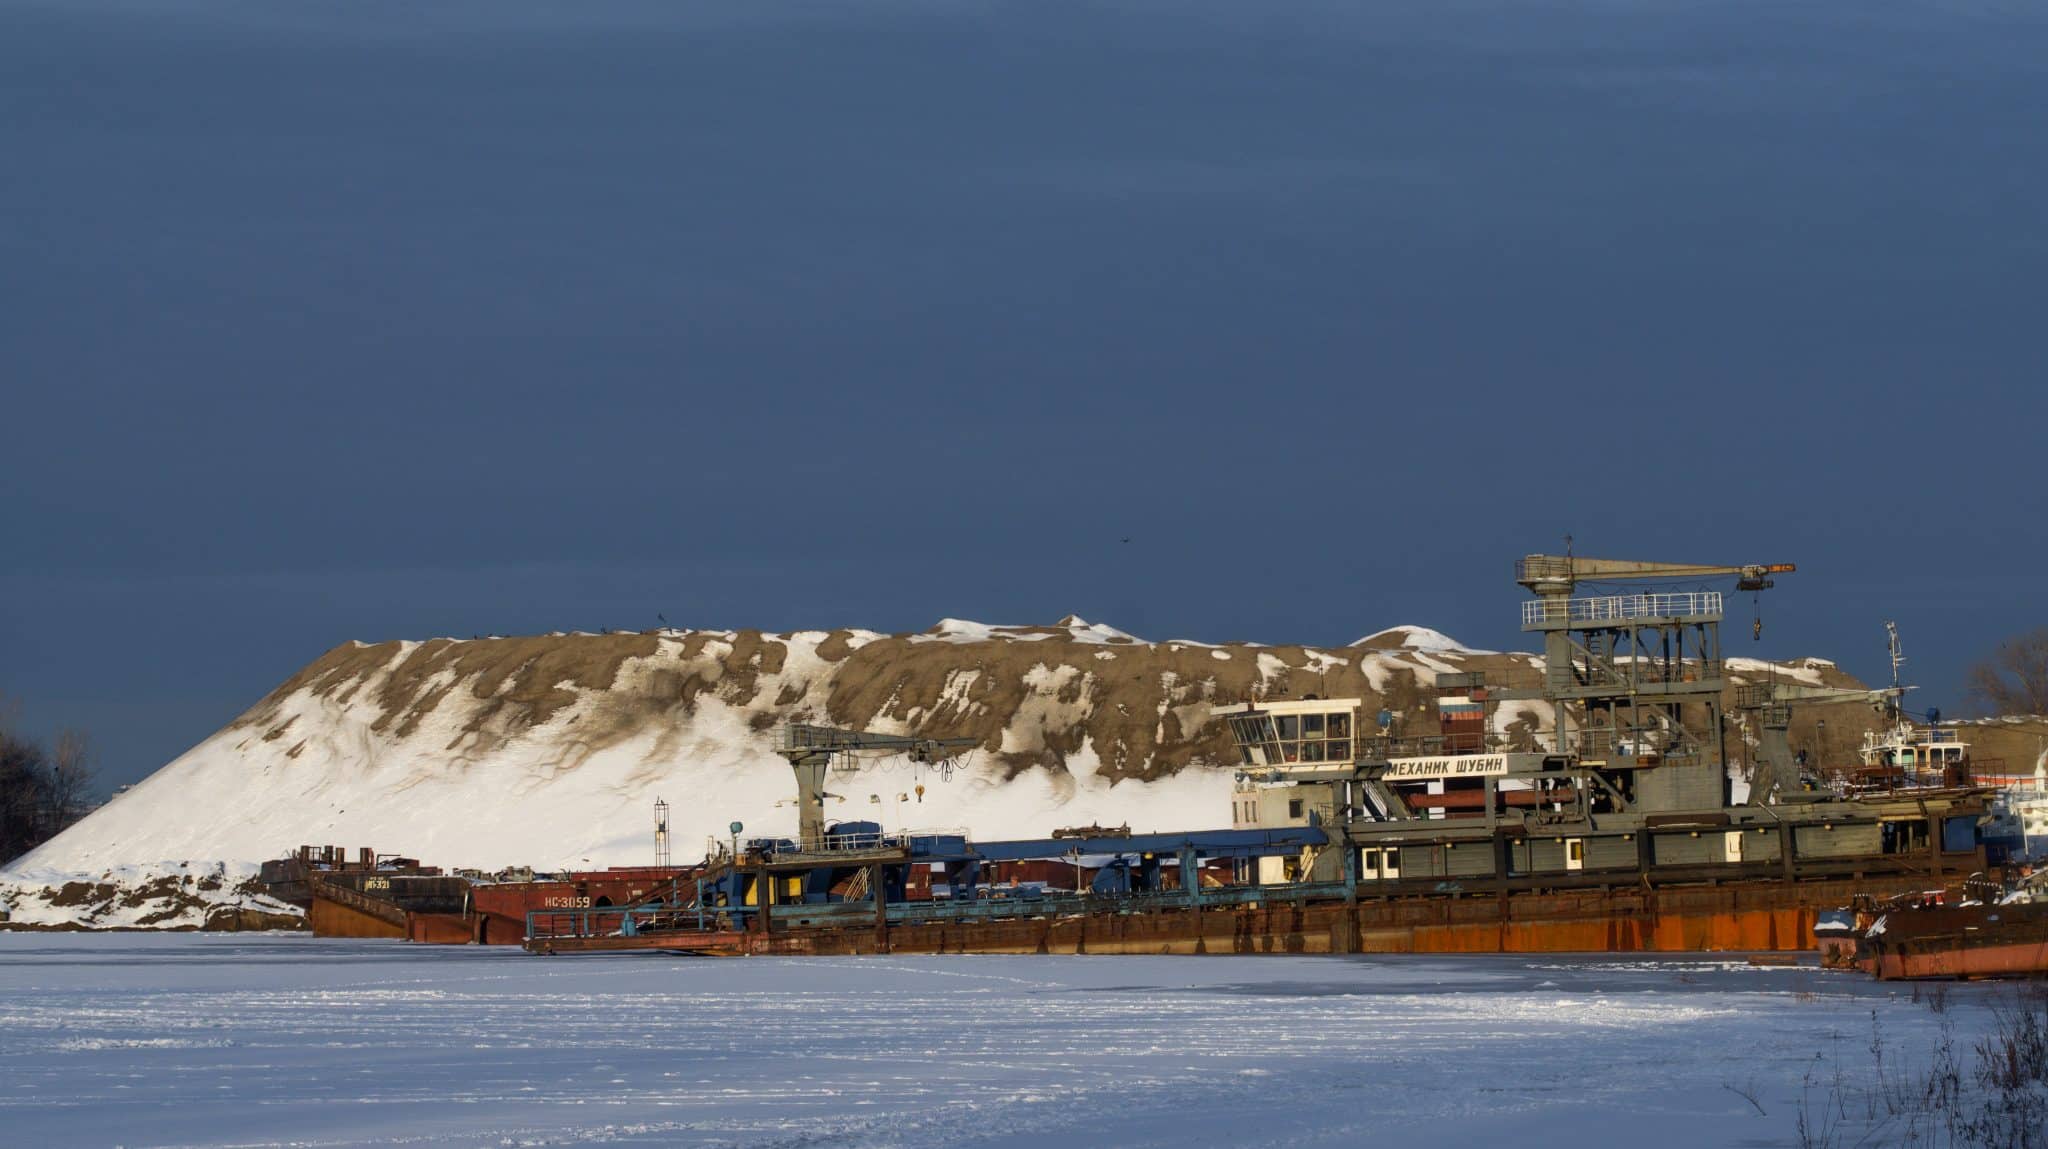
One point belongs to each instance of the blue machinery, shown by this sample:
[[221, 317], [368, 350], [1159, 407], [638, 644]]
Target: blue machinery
[[798, 884]]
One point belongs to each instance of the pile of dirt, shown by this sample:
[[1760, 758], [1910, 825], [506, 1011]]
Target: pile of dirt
[[1031, 696], [193, 897]]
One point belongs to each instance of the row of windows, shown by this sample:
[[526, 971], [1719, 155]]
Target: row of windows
[[1935, 755], [1310, 726], [1245, 811], [1331, 751], [1291, 727]]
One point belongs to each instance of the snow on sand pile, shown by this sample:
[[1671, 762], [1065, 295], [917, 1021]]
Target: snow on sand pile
[[170, 896]]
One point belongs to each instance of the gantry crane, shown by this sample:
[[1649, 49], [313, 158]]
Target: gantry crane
[[811, 749], [1630, 662]]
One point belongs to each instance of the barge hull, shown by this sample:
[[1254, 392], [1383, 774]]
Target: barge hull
[[1968, 941], [1762, 918], [2017, 959]]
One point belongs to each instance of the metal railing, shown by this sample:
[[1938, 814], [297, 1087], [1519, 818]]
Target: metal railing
[[867, 842], [1048, 904], [634, 921], [1438, 745], [1622, 607]]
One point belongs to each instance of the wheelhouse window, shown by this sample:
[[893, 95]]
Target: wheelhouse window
[[1310, 737], [1255, 733]]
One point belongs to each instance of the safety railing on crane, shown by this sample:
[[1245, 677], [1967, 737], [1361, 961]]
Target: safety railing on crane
[[1622, 607]]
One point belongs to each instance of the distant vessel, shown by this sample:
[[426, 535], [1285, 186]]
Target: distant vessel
[[2026, 797]]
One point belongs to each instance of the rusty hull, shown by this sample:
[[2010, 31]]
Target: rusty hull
[[1965, 941], [1759, 917]]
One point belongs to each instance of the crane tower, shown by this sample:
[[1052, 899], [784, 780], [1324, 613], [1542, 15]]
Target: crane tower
[[1624, 667]]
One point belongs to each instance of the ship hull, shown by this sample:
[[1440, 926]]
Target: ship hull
[[1958, 942], [1734, 917]]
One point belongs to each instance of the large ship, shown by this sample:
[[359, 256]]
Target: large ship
[[1592, 806], [1630, 786]]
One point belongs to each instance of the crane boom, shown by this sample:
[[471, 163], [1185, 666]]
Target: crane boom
[[810, 749], [803, 740], [1555, 574]]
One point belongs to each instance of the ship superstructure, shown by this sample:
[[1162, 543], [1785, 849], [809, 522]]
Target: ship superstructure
[[1630, 782]]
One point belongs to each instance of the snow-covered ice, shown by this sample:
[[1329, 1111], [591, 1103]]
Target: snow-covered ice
[[225, 1040]]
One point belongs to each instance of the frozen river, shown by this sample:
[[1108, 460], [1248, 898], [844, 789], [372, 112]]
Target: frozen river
[[223, 1040]]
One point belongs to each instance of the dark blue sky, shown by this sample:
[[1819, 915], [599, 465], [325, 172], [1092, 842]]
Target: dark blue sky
[[376, 320]]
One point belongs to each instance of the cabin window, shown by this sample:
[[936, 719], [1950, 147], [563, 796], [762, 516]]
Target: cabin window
[[1311, 726], [1312, 752], [1375, 862], [1290, 751], [1290, 727], [1340, 726], [1339, 751], [1294, 807]]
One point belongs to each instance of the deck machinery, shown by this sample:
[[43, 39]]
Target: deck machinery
[[778, 886], [1629, 783], [857, 876]]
